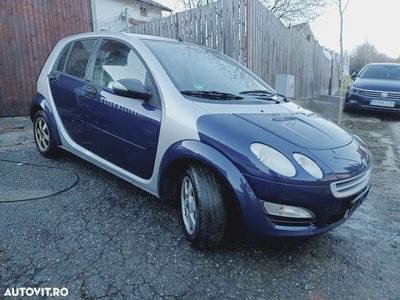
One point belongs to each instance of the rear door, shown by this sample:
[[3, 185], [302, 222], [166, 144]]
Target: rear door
[[122, 130], [67, 81]]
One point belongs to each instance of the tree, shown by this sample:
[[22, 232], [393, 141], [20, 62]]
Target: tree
[[295, 11], [367, 53], [342, 5], [287, 11], [189, 4], [342, 8]]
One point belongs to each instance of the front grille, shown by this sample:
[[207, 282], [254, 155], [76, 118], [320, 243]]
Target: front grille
[[370, 93], [393, 95], [378, 94], [350, 186]]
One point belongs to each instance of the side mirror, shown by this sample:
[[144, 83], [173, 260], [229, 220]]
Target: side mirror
[[131, 88], [354, 76]]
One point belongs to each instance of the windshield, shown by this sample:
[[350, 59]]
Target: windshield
[[197, 69], [387, 72]]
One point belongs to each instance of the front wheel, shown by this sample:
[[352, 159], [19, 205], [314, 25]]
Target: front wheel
[[347, 108], [43, 136], [202, 207]]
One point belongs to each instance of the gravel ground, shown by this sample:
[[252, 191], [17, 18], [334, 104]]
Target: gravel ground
[[103, 238]]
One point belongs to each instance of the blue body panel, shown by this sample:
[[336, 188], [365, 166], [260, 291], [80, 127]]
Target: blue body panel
[[123, 131], [65, 91], [39, 101]]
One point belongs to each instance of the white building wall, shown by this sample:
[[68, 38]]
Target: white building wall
[[108, 13]]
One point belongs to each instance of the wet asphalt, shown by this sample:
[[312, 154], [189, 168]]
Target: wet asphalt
[[103, 238]]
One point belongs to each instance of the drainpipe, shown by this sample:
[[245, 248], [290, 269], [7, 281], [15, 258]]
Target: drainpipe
[[94, 15]]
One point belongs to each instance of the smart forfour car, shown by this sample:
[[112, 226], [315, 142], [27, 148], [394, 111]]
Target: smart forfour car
[[188, 123], [375, 87]]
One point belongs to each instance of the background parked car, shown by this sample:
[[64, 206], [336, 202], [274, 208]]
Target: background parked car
[[375, 87]]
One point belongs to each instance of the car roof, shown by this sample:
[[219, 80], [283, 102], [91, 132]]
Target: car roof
[[121, 35]]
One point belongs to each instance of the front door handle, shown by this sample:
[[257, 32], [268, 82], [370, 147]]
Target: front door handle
[[91, 90], [52, 76]]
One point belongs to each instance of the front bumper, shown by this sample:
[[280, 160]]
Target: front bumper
[[357, 101], [328, 210]]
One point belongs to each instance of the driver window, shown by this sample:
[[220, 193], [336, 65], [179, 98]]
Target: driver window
[[117, 61]]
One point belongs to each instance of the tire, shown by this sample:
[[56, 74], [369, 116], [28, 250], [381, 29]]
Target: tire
[[206, 211], [347, 108], [43, 136]]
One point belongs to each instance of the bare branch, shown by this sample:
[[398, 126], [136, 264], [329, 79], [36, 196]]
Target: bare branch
[[288, 11]]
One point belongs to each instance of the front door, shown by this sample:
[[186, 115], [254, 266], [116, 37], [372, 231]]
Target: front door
[[123, 131], [67, 80]]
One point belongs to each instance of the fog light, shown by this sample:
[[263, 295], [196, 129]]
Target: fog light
[[287, 211]]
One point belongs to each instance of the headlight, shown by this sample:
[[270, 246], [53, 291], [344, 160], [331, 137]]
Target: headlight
[[309, 165], [353, 90], [273, 159], [287, 210]]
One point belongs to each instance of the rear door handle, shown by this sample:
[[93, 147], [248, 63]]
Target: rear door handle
[[91, 90], [52, 76]]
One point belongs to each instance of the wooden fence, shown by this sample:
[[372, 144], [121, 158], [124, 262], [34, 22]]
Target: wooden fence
[[246, 31], [28, 31]]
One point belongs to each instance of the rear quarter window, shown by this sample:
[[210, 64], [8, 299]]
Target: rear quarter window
[[59, 65]]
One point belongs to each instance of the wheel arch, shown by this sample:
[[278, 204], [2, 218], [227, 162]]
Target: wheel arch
[[39, 102], [179, 155]]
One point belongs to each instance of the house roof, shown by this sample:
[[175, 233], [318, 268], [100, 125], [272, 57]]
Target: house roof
[[305, 29], [156, 4]]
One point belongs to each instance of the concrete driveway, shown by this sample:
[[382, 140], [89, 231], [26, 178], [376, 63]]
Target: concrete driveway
[[100, 237]]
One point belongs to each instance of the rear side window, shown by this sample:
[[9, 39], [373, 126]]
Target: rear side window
[[62, 58], [78, 58]]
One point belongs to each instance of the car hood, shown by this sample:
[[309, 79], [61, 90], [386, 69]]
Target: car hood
[[308, 131], [377, 84], [331, 147]]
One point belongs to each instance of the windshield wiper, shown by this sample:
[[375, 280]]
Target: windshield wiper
[[263, 95], [212, 95], [257, 92]]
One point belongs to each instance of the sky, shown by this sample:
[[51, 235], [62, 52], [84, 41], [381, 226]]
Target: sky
[[375, 21]]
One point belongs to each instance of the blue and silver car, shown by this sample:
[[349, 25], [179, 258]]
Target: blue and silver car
[[189, 124], [375, 87]]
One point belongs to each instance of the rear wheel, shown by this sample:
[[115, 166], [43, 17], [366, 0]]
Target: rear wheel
[[202, 207], [43, 136]]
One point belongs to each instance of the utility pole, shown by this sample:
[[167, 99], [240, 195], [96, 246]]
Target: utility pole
[[126, 20]]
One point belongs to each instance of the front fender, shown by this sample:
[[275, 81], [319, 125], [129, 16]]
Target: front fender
[[193, 150], [39, 102]]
